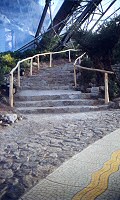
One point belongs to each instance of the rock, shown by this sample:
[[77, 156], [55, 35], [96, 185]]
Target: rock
[[16, 166], [2, 180], [116, 103], [33, 158], [25, 170], [7, 165], [5, 124], [28, 181], [88, 90], [11, 117], [20, 117], [53, 155], [2, 192], [8, 119], [95, 90], [14, 181], [34, 63], [102, 88], [4, 118], [12, 147], [5, 174], [13, 192], [56, 146]]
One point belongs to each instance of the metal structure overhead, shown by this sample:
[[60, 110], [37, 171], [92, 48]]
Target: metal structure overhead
[[85, 18], [72, 15], [42, 18], [66, 11]]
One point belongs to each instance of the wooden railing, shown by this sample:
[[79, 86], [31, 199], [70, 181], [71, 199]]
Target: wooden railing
[[17, 67], [77, 65]]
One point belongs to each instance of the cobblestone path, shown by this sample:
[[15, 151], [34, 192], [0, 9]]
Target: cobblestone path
[[37, 145]]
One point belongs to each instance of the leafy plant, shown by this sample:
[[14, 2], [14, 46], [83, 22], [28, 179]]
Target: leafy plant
[[114, 89], [7, 62], [100, 46]]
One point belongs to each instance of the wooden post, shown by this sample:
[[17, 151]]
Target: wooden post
[[106, 89], [69, 56], [11, 90], [31, 66], [75, 78], [18, 75], [50, 59], [38, 63]]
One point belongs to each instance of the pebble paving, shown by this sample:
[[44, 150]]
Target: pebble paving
[[34, 147]]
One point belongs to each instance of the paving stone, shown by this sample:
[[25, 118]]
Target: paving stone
[[33, 150], [28, 181], [16, 166], [8, 164], [5, 174], [2, 180]]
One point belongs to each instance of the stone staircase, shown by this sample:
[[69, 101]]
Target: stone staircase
[[51, 91], [60, 77]]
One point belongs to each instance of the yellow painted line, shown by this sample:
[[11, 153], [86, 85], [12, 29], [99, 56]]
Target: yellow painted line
[[99, 180]]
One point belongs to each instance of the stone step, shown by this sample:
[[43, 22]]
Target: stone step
[[44, 87], [48, 81], [56, 103], [51, 91], [55, 74], [51, 74], [61, 109], [37, 95], [52, 82], [57, 78], [49, 77]]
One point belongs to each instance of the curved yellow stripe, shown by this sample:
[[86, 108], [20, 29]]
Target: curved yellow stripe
[[99, 181]]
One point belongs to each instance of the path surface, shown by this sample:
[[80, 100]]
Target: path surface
[[91, 174], [34, 147]]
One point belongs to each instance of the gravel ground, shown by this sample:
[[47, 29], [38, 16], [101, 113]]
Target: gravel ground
[[34, 147]]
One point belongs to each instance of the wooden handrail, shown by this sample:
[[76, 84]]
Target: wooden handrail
[[17, 67], [93, 69], [96, 70], [79, 59]]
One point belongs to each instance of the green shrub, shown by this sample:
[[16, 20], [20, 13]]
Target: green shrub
[[25, 65], [87, 62], [7, 62], [114, 89]]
